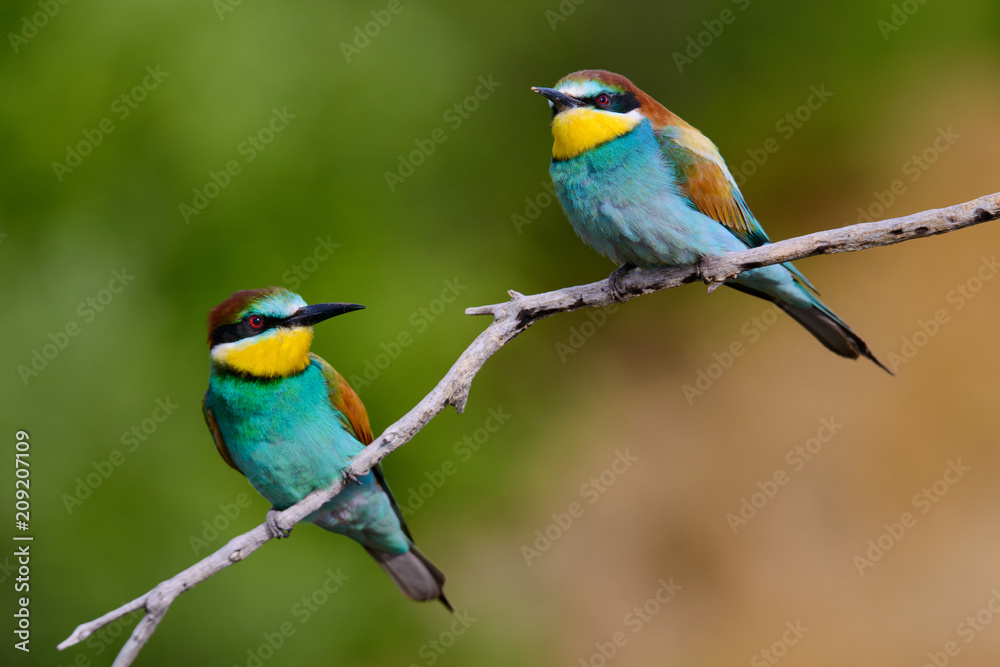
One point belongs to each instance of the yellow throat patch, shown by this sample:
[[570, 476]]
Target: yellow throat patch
[[279, 353], [578, 130]]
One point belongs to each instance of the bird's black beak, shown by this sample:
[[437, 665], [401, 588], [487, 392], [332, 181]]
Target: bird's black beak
[[560, 101], [310, 315]]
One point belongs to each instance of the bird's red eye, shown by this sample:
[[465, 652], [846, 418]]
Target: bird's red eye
[[256, 321], [604, 99]]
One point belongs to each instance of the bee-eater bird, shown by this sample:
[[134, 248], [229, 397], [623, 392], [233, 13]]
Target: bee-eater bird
[[647, 190], [290, 423]]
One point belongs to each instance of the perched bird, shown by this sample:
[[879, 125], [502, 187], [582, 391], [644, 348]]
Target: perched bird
[[647, 190], [287, 420]]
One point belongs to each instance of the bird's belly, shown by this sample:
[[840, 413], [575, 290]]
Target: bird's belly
[[644, 233], [286, 471], [364, 513]]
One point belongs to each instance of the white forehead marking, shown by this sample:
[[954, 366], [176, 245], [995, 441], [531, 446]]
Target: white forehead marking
[[281, 304], [580, 88]]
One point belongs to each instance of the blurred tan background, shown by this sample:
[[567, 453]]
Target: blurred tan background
[[313, 210]]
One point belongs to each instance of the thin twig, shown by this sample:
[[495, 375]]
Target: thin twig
[[510, 319]]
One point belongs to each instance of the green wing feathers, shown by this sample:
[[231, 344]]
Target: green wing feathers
[[220, 443]]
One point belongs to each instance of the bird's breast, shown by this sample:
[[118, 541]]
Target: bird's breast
[[623, 200], [283, 434]]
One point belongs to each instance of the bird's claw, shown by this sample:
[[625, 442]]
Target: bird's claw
[[351, 478], [615, 282], [271, 521], [709, 280]]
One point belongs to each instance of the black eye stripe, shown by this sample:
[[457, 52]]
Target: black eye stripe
[[628, 101], [620, 102], [230, 333]]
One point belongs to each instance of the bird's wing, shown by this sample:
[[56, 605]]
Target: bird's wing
[[707, 182], [220, 443], [709, 185], [355, 419], [345, 400]]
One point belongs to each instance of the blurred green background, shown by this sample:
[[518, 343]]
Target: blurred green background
[[313, 210]]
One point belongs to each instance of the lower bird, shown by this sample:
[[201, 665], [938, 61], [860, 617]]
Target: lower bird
[[285, 419], [648, 190]]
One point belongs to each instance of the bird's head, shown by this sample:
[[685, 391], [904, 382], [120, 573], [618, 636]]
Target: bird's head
[[266, 333], [594, 106]]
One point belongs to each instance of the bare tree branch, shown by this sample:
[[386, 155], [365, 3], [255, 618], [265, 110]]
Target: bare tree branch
[[510, 319]]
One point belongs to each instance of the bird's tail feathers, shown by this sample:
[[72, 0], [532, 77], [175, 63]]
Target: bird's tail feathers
[[800, 277], [822, 323], [417, 577]]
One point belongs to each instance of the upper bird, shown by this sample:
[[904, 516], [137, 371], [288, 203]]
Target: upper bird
[[646, 189], [288, 421]]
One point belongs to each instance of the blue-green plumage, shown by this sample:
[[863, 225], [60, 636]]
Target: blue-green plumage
[[623, 200], [289, 422], [289, 440], [644, 188]]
